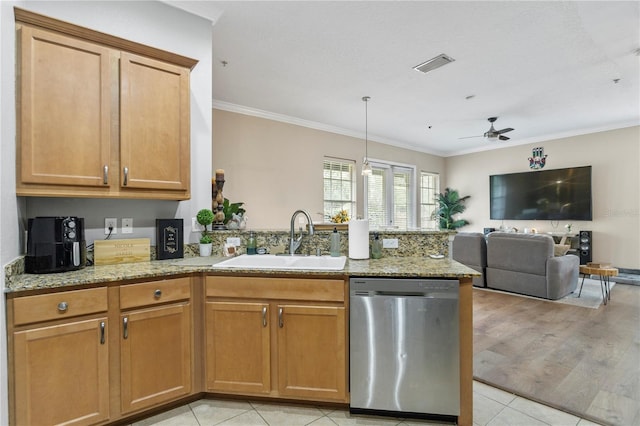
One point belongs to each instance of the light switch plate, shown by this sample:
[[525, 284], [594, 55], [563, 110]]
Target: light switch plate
[[127, 225], [195, 226], [389, 243], [234, 241]]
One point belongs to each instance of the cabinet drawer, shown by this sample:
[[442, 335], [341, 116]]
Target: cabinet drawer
[[45, 307], [155, 292], [315, 289]]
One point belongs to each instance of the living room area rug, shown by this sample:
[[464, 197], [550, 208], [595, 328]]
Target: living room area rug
[[574, 358], [590, 297]]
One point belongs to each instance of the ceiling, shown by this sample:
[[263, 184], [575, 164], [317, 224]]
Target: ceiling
[[547, 69]]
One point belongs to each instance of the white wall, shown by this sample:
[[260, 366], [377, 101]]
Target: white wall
[[615, 160], [275, 168], [9, 241], [148, 22]]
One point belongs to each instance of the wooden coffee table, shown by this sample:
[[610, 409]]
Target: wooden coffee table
[[604, 274]]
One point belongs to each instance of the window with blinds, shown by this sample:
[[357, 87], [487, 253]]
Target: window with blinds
[[339, 187], [390, 196], [429, 190]]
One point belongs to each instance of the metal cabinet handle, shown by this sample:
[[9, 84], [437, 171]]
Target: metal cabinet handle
[[126, 176], [280, 320], [105, 175], [264, 316], [63, 306], [157, 294], [125, 327], [102, 327]]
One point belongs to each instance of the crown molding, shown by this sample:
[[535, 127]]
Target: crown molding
[[255, 112]]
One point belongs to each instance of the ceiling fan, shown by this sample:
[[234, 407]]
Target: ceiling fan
[[492, 134]]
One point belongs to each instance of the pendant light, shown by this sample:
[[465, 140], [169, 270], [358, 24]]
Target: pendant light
[[366, 167]]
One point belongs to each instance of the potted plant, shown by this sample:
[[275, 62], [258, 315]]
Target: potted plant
[[233, 214], [205, 218], [450, 203]]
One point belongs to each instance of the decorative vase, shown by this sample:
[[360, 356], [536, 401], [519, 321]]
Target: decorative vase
[[205, 249]]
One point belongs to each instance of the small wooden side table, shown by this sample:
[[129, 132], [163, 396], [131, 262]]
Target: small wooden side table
[[604, 274]]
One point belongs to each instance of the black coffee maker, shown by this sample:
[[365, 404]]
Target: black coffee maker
[[55, 244]]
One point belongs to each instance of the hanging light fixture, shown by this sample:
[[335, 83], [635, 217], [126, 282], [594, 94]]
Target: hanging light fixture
[[366, 167]]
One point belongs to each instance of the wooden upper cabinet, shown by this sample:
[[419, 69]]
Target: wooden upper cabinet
[[65, 109], [99, 116], [154, 124]]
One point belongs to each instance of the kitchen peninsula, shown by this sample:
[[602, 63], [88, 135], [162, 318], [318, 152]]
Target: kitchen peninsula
[[140, 319]]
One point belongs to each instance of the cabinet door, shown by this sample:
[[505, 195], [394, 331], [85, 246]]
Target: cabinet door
[[311, 352], [155, 356], [238, 347], [62, 374], [154, 124], [64, 110]]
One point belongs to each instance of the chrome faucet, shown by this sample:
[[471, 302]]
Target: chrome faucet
[[295, 243]]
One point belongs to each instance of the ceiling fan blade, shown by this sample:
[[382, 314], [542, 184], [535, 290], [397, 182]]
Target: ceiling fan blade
[[503, 138], [468, 137], [508, 129]]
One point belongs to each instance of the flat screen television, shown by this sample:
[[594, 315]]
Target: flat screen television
[[560, 194]]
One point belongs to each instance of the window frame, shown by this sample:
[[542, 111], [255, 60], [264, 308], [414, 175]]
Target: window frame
[[353, 182], [390, 168], [434, 202]]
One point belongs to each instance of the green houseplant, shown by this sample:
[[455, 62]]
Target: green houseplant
[[449, 204], [229, 209], [205, 218]]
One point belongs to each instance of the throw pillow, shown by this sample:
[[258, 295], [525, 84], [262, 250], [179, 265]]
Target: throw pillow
[[560, 249]]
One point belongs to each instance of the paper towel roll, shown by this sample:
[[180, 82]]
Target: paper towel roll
[[358, 239]]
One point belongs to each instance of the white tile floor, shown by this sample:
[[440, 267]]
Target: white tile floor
[[491, 407]]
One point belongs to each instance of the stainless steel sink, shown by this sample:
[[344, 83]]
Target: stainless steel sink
[[270, 261]]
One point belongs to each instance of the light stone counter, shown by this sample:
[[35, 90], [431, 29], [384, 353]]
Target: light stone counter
[[391, 267]]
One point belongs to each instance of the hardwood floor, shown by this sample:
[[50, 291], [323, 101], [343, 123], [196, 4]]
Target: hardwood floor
[[583, 361]]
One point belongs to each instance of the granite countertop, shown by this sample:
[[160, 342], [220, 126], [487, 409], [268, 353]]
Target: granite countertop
[[391, 267]]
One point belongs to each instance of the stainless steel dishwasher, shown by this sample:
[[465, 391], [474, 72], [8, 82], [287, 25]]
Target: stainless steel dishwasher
[[404, 347]]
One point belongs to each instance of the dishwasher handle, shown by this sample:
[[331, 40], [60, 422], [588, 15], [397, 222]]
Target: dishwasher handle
[[426, 294], [401, 293]]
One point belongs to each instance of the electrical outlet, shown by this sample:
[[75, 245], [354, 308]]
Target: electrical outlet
[[110, 222], [195, 226], [235, 241], [127, 225], [389, 243]]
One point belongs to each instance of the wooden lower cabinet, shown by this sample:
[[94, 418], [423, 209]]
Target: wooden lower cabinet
[[62, 374], [238, 347], [155, 346], [311, 352], [155, 356], [288, 341], [71, 363]]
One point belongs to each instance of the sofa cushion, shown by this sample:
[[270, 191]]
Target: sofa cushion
[[517, 282], [470, 249], [525, 253]]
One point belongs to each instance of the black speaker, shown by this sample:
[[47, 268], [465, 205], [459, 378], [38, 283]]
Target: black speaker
[[585, 248]]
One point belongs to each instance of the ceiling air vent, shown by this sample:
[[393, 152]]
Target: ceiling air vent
[[433, 63]]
